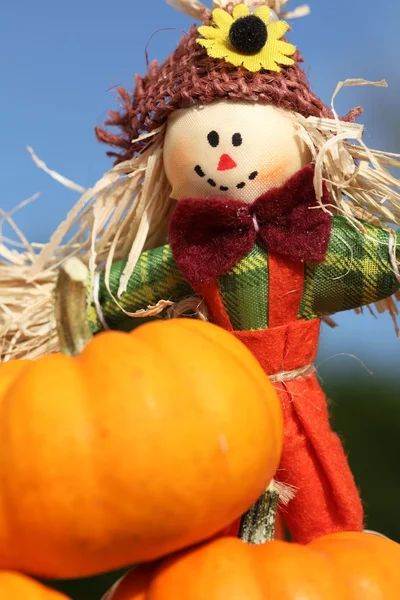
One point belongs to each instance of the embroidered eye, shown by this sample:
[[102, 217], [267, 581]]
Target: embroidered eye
[[237, 139], [213, 139]]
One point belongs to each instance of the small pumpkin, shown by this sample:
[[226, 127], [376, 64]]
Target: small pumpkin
[[143, 444], [345, 566], [15, 586]]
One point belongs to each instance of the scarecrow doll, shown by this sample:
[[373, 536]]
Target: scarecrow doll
[[237, 195]]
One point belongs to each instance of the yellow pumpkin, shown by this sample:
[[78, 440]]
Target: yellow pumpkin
[[341, 566], [15, 586], [143, 444]]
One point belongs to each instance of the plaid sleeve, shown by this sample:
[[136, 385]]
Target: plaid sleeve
[[156, 277], [357, 271]]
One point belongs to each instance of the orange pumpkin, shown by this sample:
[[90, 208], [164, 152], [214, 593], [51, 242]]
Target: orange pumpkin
[[143, 444], [14, 586], [341, 566]]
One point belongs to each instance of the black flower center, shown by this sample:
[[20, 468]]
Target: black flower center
[[248, 34]]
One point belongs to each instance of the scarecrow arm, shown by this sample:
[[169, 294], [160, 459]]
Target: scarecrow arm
[[155, 277], [358, 270]]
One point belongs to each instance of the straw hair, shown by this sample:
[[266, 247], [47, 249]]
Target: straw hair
[[126, 212]]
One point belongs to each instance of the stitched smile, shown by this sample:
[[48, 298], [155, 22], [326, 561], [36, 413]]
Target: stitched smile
[[224, 188]]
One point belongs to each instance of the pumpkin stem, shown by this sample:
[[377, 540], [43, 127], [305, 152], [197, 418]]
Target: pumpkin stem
[[258, 524], [71, 307]]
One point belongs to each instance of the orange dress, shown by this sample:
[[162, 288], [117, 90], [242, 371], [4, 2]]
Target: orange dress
[[313, 458]]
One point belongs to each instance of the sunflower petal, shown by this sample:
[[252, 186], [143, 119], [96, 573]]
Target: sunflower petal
[[270, 65], [268, 62], [235, 59], [285, 47], [211, 33], [222, 19], [281, 59], [252, 63], [206, 43], [272, 57], [218, 51], [264, 13], [241, 10], [278, 29]]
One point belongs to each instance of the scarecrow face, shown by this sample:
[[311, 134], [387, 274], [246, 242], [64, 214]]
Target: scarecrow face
[[231, 149]]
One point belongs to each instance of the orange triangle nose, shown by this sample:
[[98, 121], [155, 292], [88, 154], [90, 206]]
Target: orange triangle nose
[[226, 163]]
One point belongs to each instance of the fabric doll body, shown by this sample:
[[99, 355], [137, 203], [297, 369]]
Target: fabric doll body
[[274, 304], [233, 136]]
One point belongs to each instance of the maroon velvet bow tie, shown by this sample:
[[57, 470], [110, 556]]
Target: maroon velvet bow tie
[[209, 236]]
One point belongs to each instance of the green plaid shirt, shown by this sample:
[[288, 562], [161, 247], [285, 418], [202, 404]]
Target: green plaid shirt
[[356, 271]]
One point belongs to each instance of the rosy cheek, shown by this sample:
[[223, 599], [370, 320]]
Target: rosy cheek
[[179, 158], [275, 175]]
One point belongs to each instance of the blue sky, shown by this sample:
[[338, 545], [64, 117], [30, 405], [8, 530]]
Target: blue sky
[[60, 60]]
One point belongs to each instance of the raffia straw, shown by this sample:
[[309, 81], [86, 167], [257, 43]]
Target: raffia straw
[[60, 178], [106, 221], [369, 187], [188, 307], [198, 11], [192, 8], [286, 492]]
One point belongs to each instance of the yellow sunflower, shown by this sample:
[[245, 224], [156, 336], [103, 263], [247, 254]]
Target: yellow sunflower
[[247, 39]]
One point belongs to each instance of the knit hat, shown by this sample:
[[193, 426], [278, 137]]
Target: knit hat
[[191, 76]]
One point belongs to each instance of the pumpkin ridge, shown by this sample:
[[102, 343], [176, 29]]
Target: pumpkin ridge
[[254, 374], [219, 569]]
